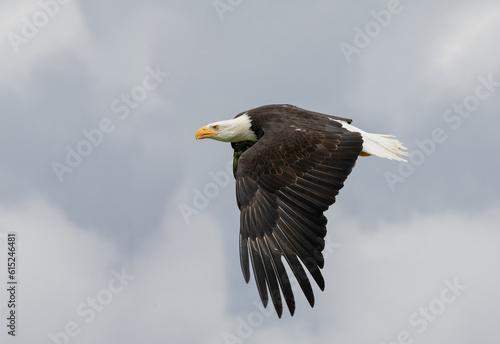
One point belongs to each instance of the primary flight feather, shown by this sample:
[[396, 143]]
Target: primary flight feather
[[289, 164]]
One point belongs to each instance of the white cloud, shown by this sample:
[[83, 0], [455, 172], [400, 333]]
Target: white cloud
[[178, 285], [61, 30], [59, 265], [376, 279], [465, 39]]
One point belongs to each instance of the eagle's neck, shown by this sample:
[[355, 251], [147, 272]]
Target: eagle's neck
[[241, 129]]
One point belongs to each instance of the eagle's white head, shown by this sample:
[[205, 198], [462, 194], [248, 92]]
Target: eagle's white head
[[232, 130]]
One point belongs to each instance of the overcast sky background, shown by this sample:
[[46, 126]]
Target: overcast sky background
[[393, 243]]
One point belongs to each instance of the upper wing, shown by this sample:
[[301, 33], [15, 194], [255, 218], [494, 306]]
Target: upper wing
[[284, 183]]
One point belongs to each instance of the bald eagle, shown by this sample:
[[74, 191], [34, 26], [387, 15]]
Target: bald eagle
[[289, 164]]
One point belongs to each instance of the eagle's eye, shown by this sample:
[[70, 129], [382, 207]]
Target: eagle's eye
[[215, 127]]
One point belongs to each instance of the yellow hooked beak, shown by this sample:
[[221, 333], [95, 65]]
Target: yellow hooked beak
[[204, 133]]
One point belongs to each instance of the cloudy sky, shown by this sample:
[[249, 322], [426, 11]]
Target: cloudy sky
[[127, 228]]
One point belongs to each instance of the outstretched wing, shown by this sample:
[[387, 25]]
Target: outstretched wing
[[284, 183]]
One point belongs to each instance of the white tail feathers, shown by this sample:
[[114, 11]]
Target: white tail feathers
[[383, 146]]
